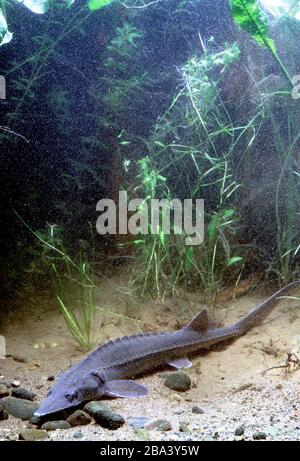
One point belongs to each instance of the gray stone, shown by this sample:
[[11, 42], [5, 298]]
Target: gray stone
[[77, 435], [239, 431], [36, 420], [93, 407], [5, 382], [178, 381], [21, 393], [197, 410], [79, 418], [162, 425], [142, 434], [20, 359], [259, 436], [33, 435], [184, 427], [178, 412], [138, 422], [19, 408], [53, 425], [4, 392], [104, 416], [3, 413]]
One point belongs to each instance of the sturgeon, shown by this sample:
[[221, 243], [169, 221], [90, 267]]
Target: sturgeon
[[108, 371]]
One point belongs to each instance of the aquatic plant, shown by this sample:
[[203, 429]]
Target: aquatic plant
[[250, 16], [165, 261], [73, 281], [189, 156], [285, 138], [287, 197], [98, 4]]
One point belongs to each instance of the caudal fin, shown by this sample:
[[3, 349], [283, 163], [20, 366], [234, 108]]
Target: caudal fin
[[260, 312]]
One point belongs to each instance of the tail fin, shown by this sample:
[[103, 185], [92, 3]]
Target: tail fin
[[260, 312]]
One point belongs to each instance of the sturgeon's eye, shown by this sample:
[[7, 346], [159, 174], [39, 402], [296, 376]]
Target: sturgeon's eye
[[71, 396]]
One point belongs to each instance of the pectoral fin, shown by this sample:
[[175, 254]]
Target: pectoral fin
[[125, 388], [180, 363]]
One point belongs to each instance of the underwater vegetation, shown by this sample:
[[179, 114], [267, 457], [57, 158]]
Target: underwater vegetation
[[166, 99]]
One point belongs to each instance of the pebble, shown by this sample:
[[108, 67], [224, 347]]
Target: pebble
[[216, 435], [21, 393], [259, 436], [19, 408], [51, 378], [20, 359], [142, 434], [197, 410], [39, 386], [3, 413], [31, 435], [77, 435], [6, 383], [79, 418], [137, 421], [53, 425], [176, 397], [104, 416], [36, 420], [162, 425], [239, 431], [178, 412], [16, 383], [178, 381], [4, 392], [184, 427]]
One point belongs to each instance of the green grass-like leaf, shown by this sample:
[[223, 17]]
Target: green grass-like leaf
[[98, 4]]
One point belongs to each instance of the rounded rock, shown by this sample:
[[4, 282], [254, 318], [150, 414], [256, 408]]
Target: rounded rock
[[79, 418], [3, 413], [138, 422], [19, 408], [178, 381], [239, 431], [197, 410], [162, 425], [32, 435], [104, 416], [259, 436], [21, 393], [4, 392], [54, 425]]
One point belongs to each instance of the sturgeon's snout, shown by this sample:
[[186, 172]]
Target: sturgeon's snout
[[54, 404]]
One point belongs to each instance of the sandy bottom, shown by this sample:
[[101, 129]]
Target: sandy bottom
[[233, 386]]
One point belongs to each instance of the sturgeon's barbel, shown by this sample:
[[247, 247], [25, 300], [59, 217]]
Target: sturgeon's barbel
[[109, 369]]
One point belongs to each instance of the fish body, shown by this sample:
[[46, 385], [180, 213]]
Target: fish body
[[110, 368]]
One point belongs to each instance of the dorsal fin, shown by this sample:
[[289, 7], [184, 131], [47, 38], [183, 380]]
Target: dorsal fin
[[200, 322]]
